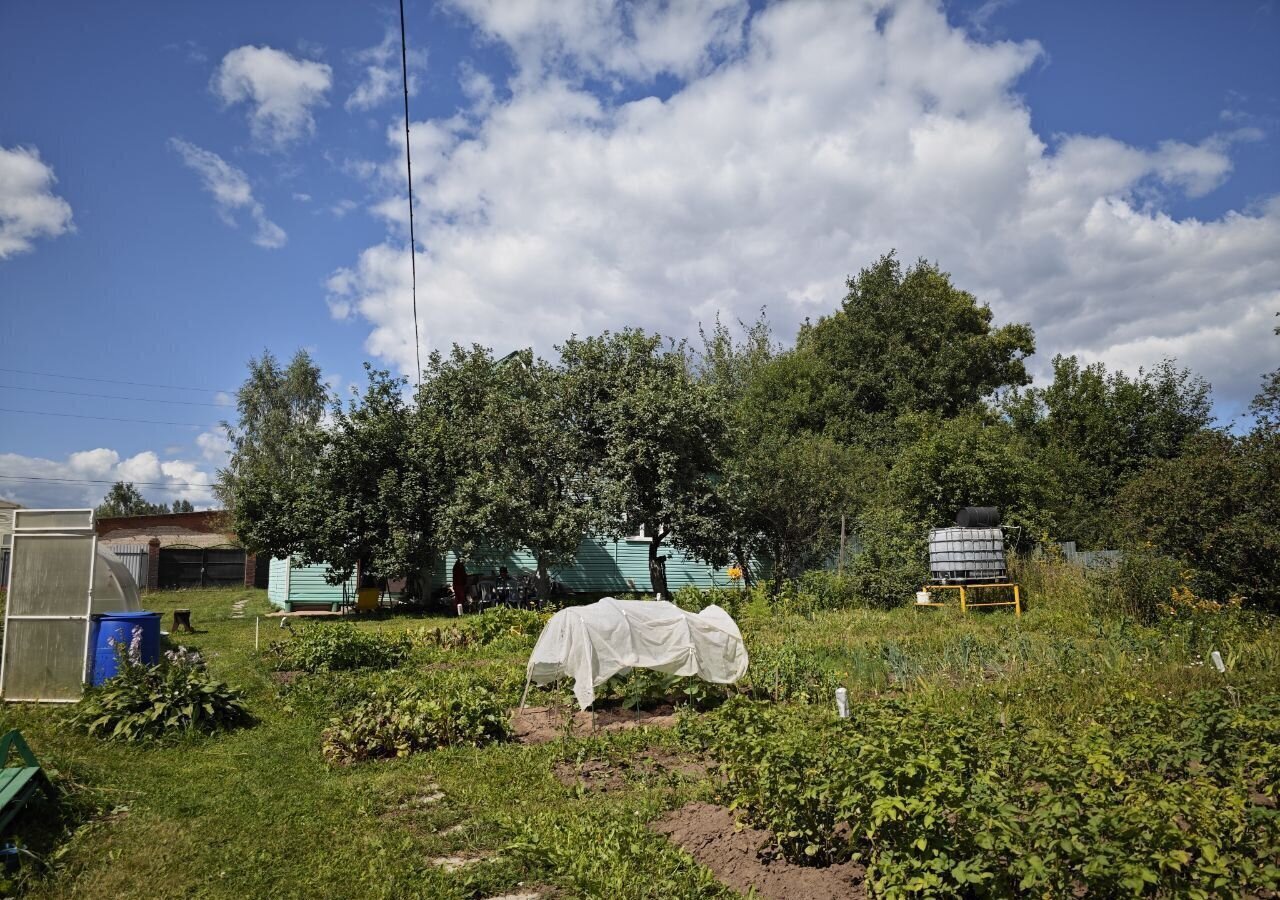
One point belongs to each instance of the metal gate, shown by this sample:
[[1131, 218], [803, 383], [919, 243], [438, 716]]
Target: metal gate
[[197, 567], [135, 559]]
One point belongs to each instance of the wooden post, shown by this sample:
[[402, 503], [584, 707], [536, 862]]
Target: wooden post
[[1017, 601], [962, 600]]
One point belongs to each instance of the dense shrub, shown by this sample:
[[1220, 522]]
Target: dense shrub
[[487, 627], [731, 599], [892, 562], [1143, 797], [173, 698], [337, 646], [1143, 584], [397, 720]]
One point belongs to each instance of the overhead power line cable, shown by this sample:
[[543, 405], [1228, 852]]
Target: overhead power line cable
[[408, 165], [175, 484], [18, 387], [168, 387], [40, 412]]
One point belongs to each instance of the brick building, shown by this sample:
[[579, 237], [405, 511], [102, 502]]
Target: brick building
[[183, 550]]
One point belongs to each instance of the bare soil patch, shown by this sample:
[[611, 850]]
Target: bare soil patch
[[607, 776], [543, 724], [749, 858]]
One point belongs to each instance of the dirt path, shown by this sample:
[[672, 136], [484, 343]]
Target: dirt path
[[748, 858]]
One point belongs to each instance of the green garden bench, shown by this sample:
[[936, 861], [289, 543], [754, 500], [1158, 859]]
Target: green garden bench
[[18, 783]]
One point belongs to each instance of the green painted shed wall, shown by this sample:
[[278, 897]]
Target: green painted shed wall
[[306, 584], [602, 565]]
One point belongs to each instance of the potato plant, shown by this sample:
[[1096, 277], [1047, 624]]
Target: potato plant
[[1141, 798]]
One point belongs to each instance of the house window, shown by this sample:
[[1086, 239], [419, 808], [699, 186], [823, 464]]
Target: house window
[[639, 535]]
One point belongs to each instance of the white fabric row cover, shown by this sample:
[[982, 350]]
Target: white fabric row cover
[[592, 643]]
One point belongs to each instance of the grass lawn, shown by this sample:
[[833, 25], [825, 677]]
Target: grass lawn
[[257, 812]]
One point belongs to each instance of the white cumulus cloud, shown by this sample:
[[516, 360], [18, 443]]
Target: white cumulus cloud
[[84, 477], [835, 132], [231, 192], [636, 39], [28, 207], [281, 92], [380, 75]]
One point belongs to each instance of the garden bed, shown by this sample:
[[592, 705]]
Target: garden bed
[[543, 724], [746, 858]]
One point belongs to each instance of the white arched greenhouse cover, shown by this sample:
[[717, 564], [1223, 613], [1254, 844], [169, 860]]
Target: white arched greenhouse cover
[[592, 643]]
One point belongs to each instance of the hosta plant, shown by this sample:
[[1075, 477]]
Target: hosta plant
[[176, 697]]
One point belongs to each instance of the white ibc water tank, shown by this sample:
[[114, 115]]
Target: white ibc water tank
[[114, 589]]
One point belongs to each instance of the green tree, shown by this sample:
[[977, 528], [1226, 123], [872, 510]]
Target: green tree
[[1265, 407], [794, 492], [124, 499], [371, 504], [548, 506], [504, 438], [1214, 508], [1094, 429], [782, 495], [275, 447], [650, 436], [903, 341], [973, 459], [183, 506]]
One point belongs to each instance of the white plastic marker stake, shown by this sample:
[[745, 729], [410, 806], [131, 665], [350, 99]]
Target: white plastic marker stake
[[1217, 662], [459, 609], [256, 621], [842, 703]]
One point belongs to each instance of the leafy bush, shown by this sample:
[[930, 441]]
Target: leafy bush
[[338, 646], [1143, 583], [1144, 797], [397, 720], [691, 599], [891, 563], [782, 673], [604, 854], [643, 688], [487, 627], [173, 698]]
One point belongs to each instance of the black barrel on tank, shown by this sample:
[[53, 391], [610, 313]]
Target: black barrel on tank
[[979, 517]]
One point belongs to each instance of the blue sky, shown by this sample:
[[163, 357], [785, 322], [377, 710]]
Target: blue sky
[[185, 185]]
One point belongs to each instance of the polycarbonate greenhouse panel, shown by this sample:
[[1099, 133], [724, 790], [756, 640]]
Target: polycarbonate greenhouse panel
[[44, 660], [52, 519], [50, 574], [47, 616]]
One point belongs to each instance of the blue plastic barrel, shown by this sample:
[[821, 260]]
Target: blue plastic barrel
[[108, 629]]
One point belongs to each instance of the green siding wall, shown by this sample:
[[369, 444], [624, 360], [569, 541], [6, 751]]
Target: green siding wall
[[306, 584], [275, 581], [602, 565]]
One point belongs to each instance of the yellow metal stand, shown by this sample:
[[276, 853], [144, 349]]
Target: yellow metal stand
[[1016, 602]]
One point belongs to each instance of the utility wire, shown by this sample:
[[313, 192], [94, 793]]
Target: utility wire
[[18, 387], [169, 387], [408, 165], [188, 484], [40, 412]]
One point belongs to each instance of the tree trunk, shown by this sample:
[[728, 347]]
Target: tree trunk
[[658, 568], [543, 585]]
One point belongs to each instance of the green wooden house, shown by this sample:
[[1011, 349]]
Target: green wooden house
[[603, 566]]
